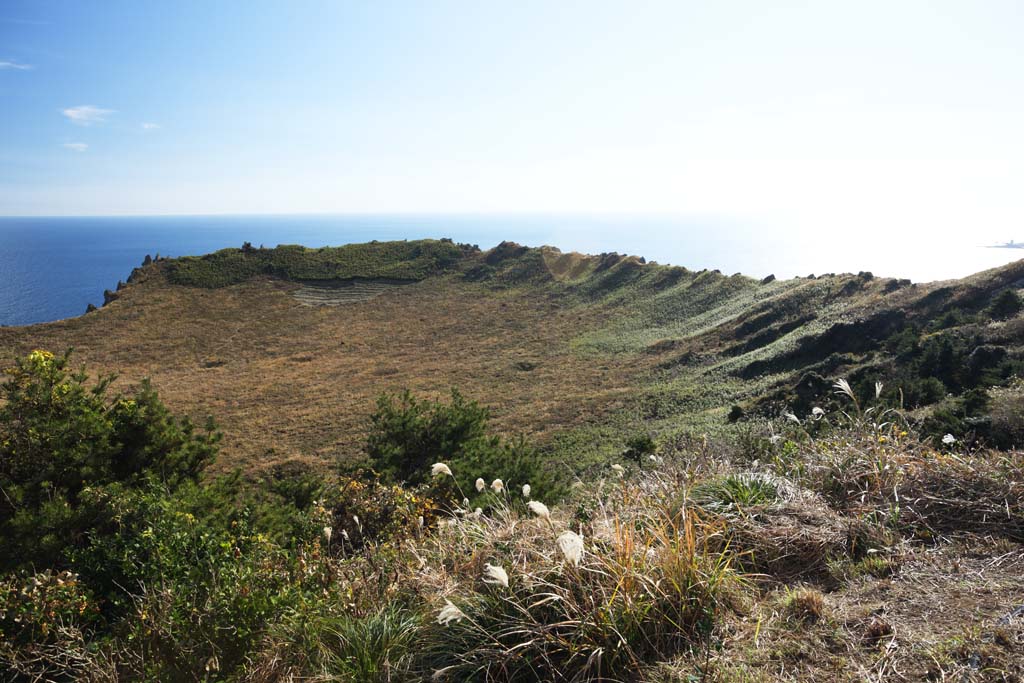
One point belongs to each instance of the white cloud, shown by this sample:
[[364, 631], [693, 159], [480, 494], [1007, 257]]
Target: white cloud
[[11, 64], [87, 114], [150, 126], [76, 146]]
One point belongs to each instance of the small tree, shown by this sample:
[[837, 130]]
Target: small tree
[[408, 435], [638, 447], [1006, 305], [63, 441]]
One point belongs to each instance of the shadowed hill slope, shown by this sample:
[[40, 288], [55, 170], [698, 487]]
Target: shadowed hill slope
[[577, 351]]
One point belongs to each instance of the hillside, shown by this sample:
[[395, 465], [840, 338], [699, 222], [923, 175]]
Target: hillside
[[437, 463], [577, 352]]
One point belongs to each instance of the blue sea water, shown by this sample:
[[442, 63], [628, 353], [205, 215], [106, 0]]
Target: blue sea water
[[52, 268]]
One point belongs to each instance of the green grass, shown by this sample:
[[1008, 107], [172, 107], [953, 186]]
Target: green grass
[[736, 491]]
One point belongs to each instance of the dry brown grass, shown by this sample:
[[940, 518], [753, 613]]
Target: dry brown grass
[[285, 380], [805, 604]]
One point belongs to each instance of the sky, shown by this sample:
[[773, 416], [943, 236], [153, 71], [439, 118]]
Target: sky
[[817, 119]]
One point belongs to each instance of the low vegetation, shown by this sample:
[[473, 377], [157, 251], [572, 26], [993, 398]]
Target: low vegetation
[[396, 260], [646, 474], [708, 562]]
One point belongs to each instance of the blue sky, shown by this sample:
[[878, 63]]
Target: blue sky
[[880, 117]]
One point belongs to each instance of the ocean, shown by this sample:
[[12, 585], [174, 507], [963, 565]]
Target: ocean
[[52, 268]]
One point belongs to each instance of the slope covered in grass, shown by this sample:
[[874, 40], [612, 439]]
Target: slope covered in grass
[[839, 548], [577, 352], [696, 496]]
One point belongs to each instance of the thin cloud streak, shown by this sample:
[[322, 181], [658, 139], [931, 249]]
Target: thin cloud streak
[[76, 146], [8, 64], [150, 126], [87, 114]]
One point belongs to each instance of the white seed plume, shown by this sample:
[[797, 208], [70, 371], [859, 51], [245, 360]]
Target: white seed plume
[[480, 484], [791, 417], [478, 513], [327, 533], [619, 469], [498, 485], [449, 613], [540, 509], [817, 413], [439, 468], [526, 490], [494, 574], [949, 439], [878, 389], [571, 545], [843, 387]]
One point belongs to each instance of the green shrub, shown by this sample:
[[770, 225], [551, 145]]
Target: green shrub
[[1006, 305], [408, 435], [63, 440], [1007, 411], [363, 509], [204, 597], [639, 447]]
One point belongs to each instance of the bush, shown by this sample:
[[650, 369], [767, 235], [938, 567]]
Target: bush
[[1007, 411], [362, 509], [205, 597], [638, 447], [1006, 305], [33, 607], [63, 440], [922, 392], [408, 435]]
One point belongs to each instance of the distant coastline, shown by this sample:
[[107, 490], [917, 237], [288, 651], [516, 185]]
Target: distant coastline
[[1007, 245]]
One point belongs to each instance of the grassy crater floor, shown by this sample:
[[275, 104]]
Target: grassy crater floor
[[288, 348], [286, 380]]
